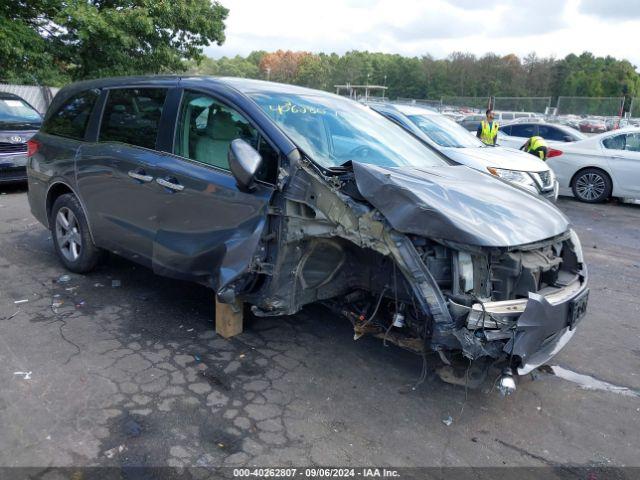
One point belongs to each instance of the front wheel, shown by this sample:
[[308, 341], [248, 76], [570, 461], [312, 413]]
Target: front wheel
[[592, 185], [71, 237]]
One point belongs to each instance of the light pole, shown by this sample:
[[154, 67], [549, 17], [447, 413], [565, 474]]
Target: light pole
[[384, 84]]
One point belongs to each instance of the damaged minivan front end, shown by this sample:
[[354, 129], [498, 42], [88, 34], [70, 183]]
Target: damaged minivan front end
[[433, 257], [425, 290]]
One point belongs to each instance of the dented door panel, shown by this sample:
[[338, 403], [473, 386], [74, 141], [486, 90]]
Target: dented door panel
[[209, 230]]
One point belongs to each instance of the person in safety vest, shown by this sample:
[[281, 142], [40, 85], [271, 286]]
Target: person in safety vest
[[536, 146], [488, 129]]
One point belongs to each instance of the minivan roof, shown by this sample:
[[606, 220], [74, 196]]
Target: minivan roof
[[244, 85], [249, 86]]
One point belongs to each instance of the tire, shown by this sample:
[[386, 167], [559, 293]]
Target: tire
[[592, 185], [71, 237]]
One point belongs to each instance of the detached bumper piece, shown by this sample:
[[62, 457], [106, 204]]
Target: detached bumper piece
[[535, 329]]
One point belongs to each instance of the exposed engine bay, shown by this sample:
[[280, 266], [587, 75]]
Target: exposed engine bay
[[327, 242]]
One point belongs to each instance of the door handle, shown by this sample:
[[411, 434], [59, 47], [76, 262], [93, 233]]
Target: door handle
[[170, 183], [140, 175]]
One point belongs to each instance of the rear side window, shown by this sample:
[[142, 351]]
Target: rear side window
[[629, 142], [524, 130], [132, 115], [71, 118], [551, 133], [616, 142]]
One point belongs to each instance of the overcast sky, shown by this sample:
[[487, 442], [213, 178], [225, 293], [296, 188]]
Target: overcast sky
[[438, 27]]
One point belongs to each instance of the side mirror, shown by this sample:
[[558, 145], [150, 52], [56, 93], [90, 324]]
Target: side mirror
[[567, 138], [244, 162]]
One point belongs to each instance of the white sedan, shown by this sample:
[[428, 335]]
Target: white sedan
[[514, 135], [455, 143], [601, 166]]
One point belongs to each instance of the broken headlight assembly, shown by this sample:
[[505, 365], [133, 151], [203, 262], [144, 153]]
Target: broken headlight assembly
[[546, 276], [577, 246]]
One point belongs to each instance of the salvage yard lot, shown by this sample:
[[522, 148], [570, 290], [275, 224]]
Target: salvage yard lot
[[126, 369]]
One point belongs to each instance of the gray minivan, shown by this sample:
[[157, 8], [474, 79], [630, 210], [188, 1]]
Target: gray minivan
[[279, 196]]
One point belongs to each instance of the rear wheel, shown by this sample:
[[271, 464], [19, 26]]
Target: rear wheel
[[71, 237], [592, 185]]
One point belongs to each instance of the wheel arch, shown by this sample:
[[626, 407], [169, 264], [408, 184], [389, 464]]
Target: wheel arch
[[57, 189]]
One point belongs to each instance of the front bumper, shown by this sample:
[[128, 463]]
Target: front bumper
[[13, 168], [543, 323], [552, 194], [549, 193]]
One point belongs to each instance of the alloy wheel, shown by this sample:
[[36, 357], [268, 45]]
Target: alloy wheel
[[68, 234], [590, 186]]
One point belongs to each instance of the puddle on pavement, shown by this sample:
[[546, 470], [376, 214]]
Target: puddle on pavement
[[588, 382]]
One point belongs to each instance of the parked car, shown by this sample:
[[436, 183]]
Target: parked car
[[601, 166], [572, 121], [18, 123], [279, 196], [471, 122], [505, 116], [454, 142], [592, 125], [514, 135], [614, 123]]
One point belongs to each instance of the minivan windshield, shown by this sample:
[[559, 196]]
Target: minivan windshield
[[445, 132], [334, 130], [14, 110]]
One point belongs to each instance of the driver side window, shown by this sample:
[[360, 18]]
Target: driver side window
[[206, 129], [524, 131]]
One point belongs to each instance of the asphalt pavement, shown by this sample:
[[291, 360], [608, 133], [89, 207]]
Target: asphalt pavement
[[121, 367]]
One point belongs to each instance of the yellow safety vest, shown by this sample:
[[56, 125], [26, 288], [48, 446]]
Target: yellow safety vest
[[488, 135], [535, 143]]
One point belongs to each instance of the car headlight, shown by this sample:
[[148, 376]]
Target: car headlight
[[465, 268], [514, 176], [577, 246]]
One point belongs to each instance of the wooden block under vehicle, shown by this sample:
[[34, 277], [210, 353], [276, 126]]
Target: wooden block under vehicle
[[229, 318]]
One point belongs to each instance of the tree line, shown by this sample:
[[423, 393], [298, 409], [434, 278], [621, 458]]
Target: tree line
[[53, 42], [459, 74]]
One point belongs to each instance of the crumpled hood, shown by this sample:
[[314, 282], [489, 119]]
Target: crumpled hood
[[459, 204], [498, 157]]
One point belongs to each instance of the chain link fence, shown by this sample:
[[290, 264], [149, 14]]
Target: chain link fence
[[38, 97], [576, 106], [634, 107], [469, 103], [435, 104], [523, 104], [597, 106]]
